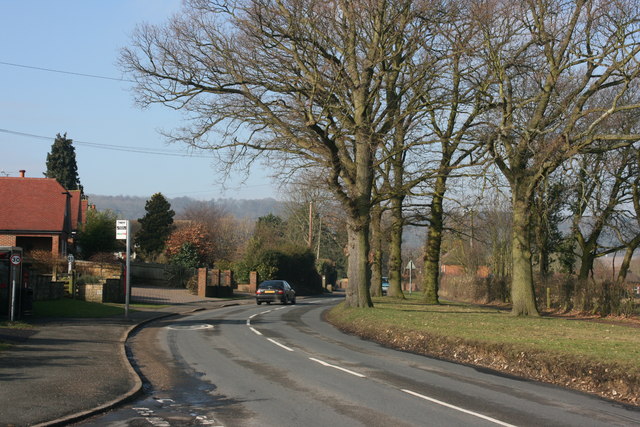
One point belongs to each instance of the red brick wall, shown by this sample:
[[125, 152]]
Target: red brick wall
[[7, 240]]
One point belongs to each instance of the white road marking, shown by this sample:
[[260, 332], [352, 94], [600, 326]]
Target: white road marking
[[337, 367], [280, 345], [178, 327], [457, 408], [255, 331], [158, 422], [203, 420]]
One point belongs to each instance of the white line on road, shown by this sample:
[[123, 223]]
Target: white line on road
[[255, 331], [337, 367], [457, 408], [280, 345]]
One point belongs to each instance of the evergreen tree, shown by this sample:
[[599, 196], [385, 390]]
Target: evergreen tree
[[156, 226], [98, 233], [61, 163]]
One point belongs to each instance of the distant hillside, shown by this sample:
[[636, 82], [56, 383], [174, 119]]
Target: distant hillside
[[132, 207]]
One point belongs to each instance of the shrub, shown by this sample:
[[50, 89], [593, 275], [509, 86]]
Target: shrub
[[197, 237], [178, 275], [295, 265], [45, 262]]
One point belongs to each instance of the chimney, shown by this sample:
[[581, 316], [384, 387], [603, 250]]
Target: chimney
[[22, 172]]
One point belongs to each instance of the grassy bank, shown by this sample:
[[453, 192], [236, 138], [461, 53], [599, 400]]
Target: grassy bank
[[70, 308], [589, 356]]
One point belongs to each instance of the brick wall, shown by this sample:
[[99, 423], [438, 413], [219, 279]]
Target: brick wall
[[209, 285], [89, 268], [110, 291], [7, 240]]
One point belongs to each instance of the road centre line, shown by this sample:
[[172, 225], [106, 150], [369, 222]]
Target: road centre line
[[357, 374], [457, 408], [337, 367], [279, 345]]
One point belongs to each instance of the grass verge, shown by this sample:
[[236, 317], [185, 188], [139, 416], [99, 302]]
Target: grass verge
[[588, 356], [70, 308]]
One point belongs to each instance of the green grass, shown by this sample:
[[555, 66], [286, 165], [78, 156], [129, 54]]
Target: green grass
[[572, 338], [15, 325], [69, 308]]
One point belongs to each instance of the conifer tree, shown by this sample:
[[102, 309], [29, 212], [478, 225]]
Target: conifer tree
[[156, 226], [61, 163]]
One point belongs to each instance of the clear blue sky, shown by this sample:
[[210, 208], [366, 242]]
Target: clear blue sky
[[85, 36]]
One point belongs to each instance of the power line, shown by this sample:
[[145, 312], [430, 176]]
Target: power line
[[126, 148], [51, 70]]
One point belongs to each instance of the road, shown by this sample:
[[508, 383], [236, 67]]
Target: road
[[283, 366]]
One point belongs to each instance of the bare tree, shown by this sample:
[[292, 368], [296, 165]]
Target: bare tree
[[551, 61], [302, 78], [225, 232], [629, 231], [601, 189]]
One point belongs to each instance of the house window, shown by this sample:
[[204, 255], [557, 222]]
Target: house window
[[29, 244]]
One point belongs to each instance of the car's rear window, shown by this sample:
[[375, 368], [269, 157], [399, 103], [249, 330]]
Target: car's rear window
[[271, 285]]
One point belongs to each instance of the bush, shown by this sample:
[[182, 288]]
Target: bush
[[187, 256], [104, 258], [295, 265], [327, 268], [45, 262], [178, 275]]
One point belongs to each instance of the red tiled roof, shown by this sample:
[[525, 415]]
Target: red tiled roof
[[33, 204]]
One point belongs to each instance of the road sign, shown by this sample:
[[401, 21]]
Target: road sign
[[122, 228], [16, 259], [410, 266]]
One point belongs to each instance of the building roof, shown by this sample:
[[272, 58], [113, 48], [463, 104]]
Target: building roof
[[79, 206], [34, 205]]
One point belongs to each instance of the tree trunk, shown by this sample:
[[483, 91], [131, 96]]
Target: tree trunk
[[358, 269], [395, 249], [433, 244], [626, 262], [586, 262], [376, 251], [542, 242], [522, 292], [358, 223]]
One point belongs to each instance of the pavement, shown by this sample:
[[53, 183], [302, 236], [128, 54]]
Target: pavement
[[65, 370]]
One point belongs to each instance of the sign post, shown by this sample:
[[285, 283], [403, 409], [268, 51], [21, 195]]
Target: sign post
[[122, 233], [411, 266], [16, 260]]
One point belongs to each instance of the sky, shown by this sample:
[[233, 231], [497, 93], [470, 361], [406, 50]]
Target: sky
[[74, 40]]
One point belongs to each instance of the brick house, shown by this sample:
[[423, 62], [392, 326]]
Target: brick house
[[39, 214]]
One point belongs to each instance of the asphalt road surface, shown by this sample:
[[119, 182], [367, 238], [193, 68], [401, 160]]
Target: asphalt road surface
[[274, 365]]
